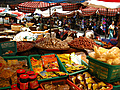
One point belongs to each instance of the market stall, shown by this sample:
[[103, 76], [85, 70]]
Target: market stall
[[40, 60]]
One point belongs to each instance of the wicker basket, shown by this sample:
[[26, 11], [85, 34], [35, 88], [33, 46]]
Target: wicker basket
[[16, 27], [29, 24]]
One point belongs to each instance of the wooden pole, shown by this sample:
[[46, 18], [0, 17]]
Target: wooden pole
[[106, 23], [50, 18], [119, 32]]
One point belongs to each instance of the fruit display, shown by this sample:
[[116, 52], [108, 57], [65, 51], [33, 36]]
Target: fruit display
[[70, 65], [52, 44], [24, 46], [83, 43], [87, 82], [8, 74], [110, 56]]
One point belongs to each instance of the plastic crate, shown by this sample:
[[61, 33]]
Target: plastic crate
[[64, 81], [113, 41], [107, 73], [5, 46], [116, 87], [106, 40], [19, 58], [61, 67], [83, 63]]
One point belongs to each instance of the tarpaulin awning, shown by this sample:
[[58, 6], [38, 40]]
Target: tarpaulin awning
[[110, 12], [20, 15], [30, 7], [69, 6], [55, 10], [89, 11], [70, 14], [103, 3], [2, 9]]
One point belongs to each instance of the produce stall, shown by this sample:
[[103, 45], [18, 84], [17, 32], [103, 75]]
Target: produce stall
[[51, 63]]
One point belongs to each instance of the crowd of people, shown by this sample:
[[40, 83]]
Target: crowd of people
[[99, 27]]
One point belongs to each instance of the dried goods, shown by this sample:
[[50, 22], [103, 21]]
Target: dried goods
[[110, 56], [56, 87], [8, 69], [82, 43], [52, 44], [87, 82], [70, 65], [24, 46]]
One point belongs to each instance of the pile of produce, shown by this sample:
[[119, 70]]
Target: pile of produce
[[24, 46], [52, 44], [87, 82], [8, 74], [83, 43], [46, 67], [110, 56], [70, 65]]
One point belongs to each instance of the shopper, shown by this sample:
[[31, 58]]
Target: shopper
[[41, 26], [111, 30]]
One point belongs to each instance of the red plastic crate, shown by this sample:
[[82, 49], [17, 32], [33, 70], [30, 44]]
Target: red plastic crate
[[64, 81]]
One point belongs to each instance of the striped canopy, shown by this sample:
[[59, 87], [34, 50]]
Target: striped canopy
[[89, 11], [30, 7]]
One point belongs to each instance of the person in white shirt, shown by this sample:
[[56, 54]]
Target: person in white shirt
[[111, 30]]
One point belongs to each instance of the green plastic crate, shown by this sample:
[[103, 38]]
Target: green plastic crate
[[61, 67], [107, 73], [5, 46], [83, 63], [5, 88], [19, 58], [116, 87]]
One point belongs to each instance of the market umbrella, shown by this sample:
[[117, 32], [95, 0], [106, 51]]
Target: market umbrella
[[89, 11], [107, 4], [2, 9], [30, 7], [20, 15]]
